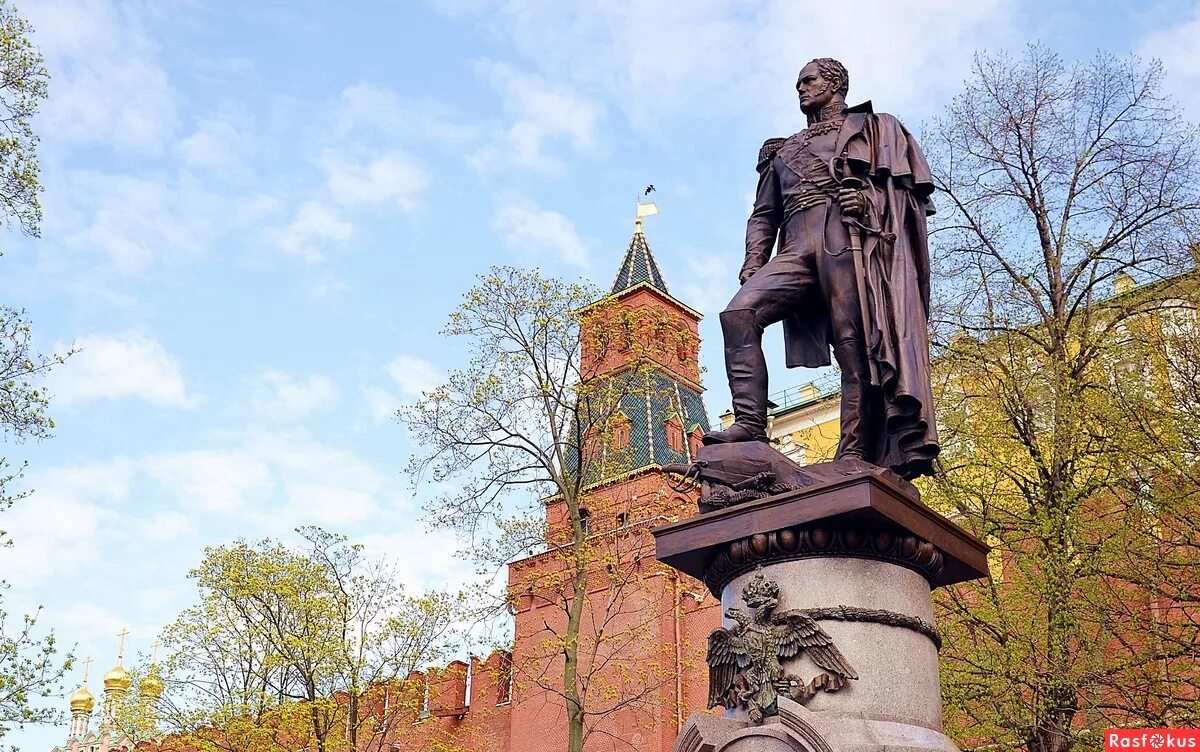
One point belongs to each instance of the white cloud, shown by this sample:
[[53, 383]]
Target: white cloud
[[212, 480], [542, 112], [107, 85], [314, 227], [694, 60], [58, 528], [163, 526], [217, 145], [392, 177], [122, 366], [280, 396], [330, 505], [413, 375], [327, 287], [129, 219], [319, 483], [110, 224], [1176, 47], [364, 106], [534, 231], [271, 481], [424, 558], [381, 404]]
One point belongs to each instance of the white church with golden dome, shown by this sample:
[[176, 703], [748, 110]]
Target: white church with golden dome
[[109, 736]]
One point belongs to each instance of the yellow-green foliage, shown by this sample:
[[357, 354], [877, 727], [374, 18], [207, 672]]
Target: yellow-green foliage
[[285, 646]]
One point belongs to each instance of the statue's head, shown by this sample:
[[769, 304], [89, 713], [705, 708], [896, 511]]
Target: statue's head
[[820, 83]]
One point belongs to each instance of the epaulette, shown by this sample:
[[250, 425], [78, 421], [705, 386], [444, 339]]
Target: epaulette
[[767, 152]]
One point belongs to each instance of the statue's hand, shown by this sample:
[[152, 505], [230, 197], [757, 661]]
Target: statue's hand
[[747, 274], [853, 202]]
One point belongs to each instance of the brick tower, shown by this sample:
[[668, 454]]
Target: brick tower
[[644, 626]]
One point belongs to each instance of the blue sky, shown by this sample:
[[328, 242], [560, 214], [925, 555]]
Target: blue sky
[[258, 215]]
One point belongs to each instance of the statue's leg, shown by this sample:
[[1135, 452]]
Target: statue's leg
[[746, 368], [859, 432], [765, 298], [861, 425]]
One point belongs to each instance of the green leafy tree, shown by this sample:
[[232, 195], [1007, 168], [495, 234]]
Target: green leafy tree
[[29, 669], [530, 420], [284, 645], [1065, 441], [22, 89]]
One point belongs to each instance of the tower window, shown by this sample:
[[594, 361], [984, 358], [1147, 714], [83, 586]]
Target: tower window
[[622, 519], [591, 446], [620, 431], [694, 440], [585, 521], [674, 431], [684, 351]]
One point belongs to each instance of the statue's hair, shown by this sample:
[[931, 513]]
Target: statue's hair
[[833, 72]]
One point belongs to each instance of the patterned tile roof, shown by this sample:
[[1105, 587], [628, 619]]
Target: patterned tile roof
[[649, 412], [639, 266]]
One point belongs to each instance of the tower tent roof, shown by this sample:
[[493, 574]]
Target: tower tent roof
[[639, 266]]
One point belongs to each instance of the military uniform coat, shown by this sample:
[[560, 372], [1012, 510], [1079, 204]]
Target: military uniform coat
[[879, 150]]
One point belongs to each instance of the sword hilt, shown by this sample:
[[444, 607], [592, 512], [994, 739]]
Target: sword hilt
[[856, 184]]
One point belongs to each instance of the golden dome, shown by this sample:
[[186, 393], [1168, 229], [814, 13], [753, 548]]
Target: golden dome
[[117, 679], [151, 685], [82, 699]]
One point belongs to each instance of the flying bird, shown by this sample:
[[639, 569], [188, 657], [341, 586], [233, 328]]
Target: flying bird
[[649, 190]]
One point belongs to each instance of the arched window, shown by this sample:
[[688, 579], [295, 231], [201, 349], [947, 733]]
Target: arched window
[[626, 333], [591, 446], [674, 432], [620, 431], [695, 440], [683, 350]]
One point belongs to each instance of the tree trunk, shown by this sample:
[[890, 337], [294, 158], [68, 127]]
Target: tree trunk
[[574, 727], [314, 713], [575, 712]]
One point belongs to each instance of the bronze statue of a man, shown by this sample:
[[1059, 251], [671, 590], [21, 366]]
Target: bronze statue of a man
[[846, 198]]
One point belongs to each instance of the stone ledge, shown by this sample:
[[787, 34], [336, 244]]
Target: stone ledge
[[867, 501]]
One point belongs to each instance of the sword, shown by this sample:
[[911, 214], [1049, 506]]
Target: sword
[[860, 276]]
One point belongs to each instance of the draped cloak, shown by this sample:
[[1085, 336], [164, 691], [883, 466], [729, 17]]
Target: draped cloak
[[877, 148]]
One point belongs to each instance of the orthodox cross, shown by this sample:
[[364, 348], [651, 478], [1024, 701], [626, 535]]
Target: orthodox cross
[[121, 648], [87, 667]]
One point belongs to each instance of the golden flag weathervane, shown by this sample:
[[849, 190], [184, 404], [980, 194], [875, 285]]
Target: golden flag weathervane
[[644, 209]]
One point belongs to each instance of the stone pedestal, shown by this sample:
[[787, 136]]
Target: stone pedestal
[[860, 554]]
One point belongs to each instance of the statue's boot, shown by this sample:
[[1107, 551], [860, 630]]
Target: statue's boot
[[746, 368], [859, 408]]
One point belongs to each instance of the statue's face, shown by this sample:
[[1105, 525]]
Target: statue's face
[[815, 90]]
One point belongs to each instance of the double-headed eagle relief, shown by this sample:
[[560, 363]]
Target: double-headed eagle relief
[[744, 667]]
